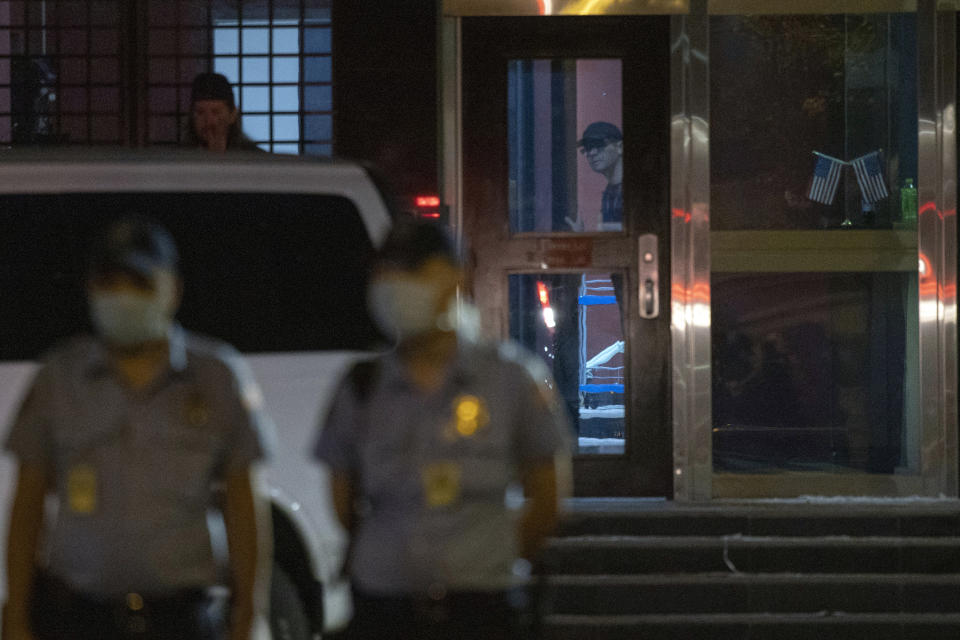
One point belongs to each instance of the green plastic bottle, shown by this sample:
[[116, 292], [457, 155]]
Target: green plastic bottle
[[908, 204]]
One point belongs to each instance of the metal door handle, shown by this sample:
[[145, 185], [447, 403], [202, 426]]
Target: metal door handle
[[648, 270], [649, 302]]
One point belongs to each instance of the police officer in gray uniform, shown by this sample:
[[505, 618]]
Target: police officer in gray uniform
[[423, 445], [131, 431]]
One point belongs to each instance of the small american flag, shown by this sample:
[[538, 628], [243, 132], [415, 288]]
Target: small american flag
[[870, 177], [826, 178]]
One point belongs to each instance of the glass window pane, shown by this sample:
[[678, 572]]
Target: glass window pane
[[317, 69], [286, 127], [105, 100], [162, 71], [105, 41], [189, 68], [105, 129], [250, 261], [162, 13], [162, 100], [256, 69], [105, 70], [74, 128], [162, 42], [288, 149], [286, 69], [318, 98], [815, 372], [163, 129], [226, 41], [73, 100], [257, 127], [195, 13], [255, 99], [565, 145], [226, 11], [823, 92], [574, 322], [194, 41], [286, 40], [286, 99], [318, 127], [316, 40], [72, 41], [317, 12], [256, 41], [230, 67], [73, 70], [105, 12]]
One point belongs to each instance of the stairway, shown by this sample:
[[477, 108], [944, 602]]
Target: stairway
[[656, 570]]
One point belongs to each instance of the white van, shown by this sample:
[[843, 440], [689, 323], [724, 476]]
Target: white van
[[274, 254]]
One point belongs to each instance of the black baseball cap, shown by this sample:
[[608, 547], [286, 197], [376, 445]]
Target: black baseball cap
[[212, 86], [599, 133], [133, 245], [413, 241]]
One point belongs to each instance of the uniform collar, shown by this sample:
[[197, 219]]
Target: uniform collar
[[460, 373], [98, 364]]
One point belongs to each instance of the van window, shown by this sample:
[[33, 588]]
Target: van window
[[265, 272]]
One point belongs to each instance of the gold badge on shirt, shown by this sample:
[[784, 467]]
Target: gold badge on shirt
[[441, 483], [470, 415], [82, 489]]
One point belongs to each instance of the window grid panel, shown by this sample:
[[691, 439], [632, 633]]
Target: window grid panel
[[59, 73], [279, 67]]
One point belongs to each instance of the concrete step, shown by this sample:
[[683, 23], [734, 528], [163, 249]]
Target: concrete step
[[600, 555], [912, 518], [751, 593], [807, 626]]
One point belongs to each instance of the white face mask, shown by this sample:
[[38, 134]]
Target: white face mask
[[403, 308], [127, 319], [463, 317]]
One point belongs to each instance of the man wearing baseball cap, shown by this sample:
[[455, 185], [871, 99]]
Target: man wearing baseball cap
[[131, 429], [214, 118], [602, 145]]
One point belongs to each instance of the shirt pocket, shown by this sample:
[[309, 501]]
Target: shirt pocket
[[79, 438], [486, 466], [185, 461]]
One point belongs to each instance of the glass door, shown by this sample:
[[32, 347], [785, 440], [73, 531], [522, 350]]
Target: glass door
[[565, 147], [827, 276]]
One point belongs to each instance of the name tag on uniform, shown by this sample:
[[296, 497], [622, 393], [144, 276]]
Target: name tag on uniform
[[82, 489], [441, 483]]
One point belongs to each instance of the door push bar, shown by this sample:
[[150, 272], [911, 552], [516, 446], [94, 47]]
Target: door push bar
[[649, 276]]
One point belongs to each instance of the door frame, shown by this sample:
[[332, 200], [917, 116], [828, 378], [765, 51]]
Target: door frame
[[495, 253]]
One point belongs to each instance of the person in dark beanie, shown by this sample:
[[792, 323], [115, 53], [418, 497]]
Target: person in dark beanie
[[214, 118]]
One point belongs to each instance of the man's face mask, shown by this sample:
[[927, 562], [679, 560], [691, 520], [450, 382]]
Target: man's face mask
[[402, 307], [128, 317]]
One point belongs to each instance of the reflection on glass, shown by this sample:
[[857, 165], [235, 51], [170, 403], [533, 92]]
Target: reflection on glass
[[565, 145], [573, 321], [815, 372], [813, 121]]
